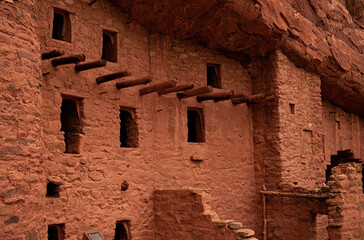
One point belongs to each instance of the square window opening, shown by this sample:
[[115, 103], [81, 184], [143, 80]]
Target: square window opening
[[213, 75], [128, 129], [56, 232], [195, 125], [122, 231], [71, 124], [52, 189], [61, 25], [109, 46]]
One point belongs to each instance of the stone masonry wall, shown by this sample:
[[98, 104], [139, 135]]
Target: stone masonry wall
[[186, 214], [346, 202], [21, 179], [90, 195]]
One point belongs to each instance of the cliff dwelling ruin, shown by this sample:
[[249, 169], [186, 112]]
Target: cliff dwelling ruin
[[181, 120]]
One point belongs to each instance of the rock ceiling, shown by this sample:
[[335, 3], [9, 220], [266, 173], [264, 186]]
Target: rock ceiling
[[324, 36]]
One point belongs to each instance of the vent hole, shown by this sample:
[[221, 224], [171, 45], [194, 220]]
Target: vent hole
[[52, 190]]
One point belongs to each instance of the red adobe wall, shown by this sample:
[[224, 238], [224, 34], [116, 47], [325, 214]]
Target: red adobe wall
[[21, 181], [346, 202], [186, 214]]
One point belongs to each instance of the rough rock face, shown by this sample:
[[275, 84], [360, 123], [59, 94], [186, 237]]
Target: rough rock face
[[322, 36]]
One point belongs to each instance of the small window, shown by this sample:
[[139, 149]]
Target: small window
[[71, 124], [128, 129], [109, 46], [122, 230], [52, 190], [195, 125], [61, 25], [213, 75], [292, 108], [56, 232]]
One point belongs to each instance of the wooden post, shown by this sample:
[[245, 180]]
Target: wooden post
[[195, 92], [52, 54], [215, 96], [176, 89], [112, 76], [157, 87], [68, 60], [134, 82], [85, 66]]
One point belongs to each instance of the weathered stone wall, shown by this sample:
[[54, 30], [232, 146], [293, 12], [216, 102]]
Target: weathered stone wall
[[346, 202], [90, 196], [343, 131], [21, 179], [186, 214]]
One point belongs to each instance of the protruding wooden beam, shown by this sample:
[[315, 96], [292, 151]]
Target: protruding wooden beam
[[86, 66], [68, 60], [112, 76], [52, 54], [176, 89], [215, 96], [157, 87], [133, 82], [195, 92], [252, 99], [238, 95]]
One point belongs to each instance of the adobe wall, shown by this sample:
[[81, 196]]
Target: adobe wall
[[21, 181], [186, 214], [90, 196]]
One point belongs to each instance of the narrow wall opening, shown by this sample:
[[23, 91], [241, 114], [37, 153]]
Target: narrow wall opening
[[71, 110], [122, 230], [213, 75], [128, 129], [109, 46], [61, 25], [343, 156], [56, 232], [52, 189], [195, 125]]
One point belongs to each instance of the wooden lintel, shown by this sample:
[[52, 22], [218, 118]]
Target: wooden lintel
[[215, 96], [112, 76], [195, 92], [133, 82], [157, 87], [90, 65], [176, 89], [68, 60], [296, 195], [52, 54]]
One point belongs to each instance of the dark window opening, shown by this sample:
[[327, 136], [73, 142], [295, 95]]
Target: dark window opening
[[52, 190], [109, 46], [61, 25], [195, 125], [292, 108], [71, 124], [341, 157], [56, 232], [128, 130], [213, 75], [338, 125], [122, 230]]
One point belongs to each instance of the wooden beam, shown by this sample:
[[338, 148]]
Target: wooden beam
[[239, 95], [296, 195], [176, 89], [252, 99], [215, 96], [157, 87], [68, 60], [133, 82], [90, 65], [112, 76], [195, 92], [52, 54]]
